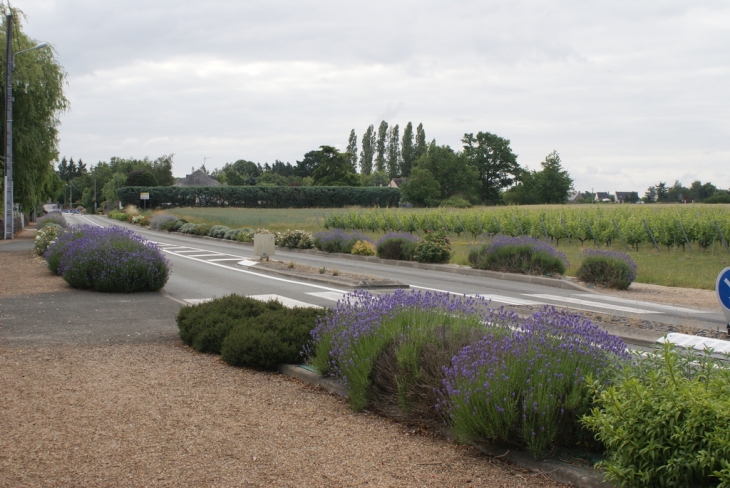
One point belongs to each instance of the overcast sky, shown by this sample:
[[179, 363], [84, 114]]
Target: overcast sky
[[629, 92]]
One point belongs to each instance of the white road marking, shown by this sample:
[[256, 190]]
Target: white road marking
[[697, 342], [287, 302], [248, 262], [225, 259], [260, 275], [671, 308], [195, 301], [588, 303], [327, 295], [507, 300], [206, 255]]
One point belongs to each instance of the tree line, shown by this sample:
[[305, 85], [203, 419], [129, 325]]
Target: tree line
[[697, 193], [485, 170]]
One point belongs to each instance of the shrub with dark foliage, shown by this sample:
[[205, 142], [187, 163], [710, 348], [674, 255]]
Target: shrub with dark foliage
[[270, 339], [396, 245], [206, 325], [435, 247], [519, 255], [608, 268]]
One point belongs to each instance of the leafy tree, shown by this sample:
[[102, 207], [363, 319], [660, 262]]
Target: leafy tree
[[553, 182], [662, 192], [698, 192], [141, 178], [495, 161], [456, 176], [421, 188], [525, 190], [421, 146], [162, 169], [376, 178], [367, 153], [63, 170], [333, 169], [80, 168], [109, 190], [650, 195], [393, 162], [307, 165], [38, 81], [271, 179], [352, 150], [380, 146], [283, 169], [407, 151]]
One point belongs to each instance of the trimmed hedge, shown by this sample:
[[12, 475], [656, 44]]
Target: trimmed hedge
[[261, 196]]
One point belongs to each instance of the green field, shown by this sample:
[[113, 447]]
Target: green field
[[672, 265]]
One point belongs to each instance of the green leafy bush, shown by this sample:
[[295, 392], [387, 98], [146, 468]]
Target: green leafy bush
[[665, 420], [206, 325], [608, 268], [162, 221], [178, 225], [518, 255], [396, 245], [270, 339], [298, 239], [245, 235], [232, 234], [363, 248], [118, 215], [434, 247], [456, 202], [46, 236], [218, 231]]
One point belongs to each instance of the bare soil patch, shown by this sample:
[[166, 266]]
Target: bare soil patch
[[26, 273]]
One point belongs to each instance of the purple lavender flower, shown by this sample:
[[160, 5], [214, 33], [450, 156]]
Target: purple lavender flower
[[614, 256]]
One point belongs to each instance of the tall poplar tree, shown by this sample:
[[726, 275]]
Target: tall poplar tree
[[366, 155], [421, 146], [352, 150], [381, 146], [393, 161], [407, 151]]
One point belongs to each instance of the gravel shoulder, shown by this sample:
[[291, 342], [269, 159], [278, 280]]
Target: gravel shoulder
[[107, 407]]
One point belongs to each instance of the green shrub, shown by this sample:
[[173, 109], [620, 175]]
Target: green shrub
[[456, 202], [194, 229], [54, 217], [608, 268], [46, 236], [178, 225], [232, 234], [245, 235], [118, 215], [270, 339], [518, 255], [218, 231], [363, 248], [397, 245], [298, 239], [665, 420], [435, 247], [206, 325]]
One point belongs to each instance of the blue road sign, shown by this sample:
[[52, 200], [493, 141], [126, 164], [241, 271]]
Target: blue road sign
[[722, 288]]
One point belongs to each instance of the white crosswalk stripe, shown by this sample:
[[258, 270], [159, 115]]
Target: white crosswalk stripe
[[576, 303], [327, 295], [287, 302], [669, 308]]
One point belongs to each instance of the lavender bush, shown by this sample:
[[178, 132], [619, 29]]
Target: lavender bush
[[54, 217], [524, 255], [528, 388], [349, 340], [108, 259], [609, 268], [337, 240], [396, 245], [162, 221]]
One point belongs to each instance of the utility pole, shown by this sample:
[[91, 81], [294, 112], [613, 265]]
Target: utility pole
[[9, 231], [94, 190]]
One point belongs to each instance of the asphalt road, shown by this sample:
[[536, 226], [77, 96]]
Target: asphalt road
[[206, 268]]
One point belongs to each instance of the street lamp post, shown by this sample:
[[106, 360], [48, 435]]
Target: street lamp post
[[9, 230]]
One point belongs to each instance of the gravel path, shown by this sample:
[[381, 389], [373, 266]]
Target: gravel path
[[158, 414]]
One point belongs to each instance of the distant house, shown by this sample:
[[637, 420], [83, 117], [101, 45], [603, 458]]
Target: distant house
[[623, 196], [197, 178], [602, 196], [396, 182], [573, 197]]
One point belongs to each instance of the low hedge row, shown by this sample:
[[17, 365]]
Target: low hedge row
[[261, 196]]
